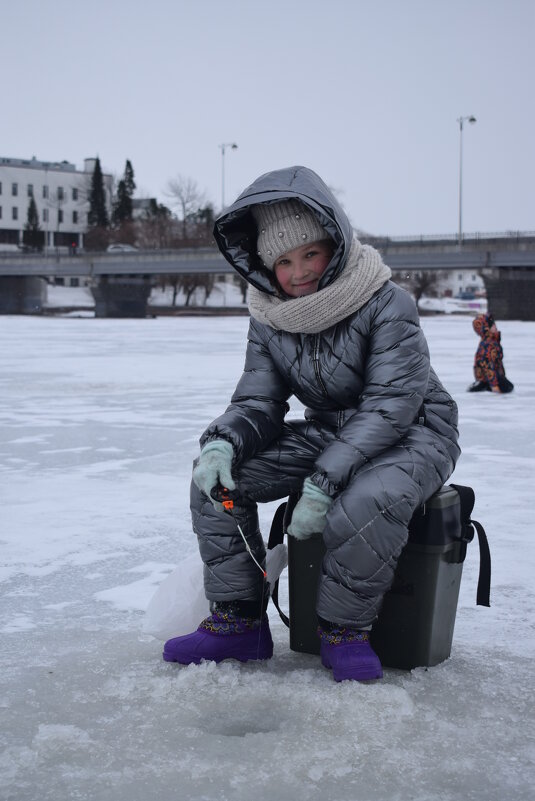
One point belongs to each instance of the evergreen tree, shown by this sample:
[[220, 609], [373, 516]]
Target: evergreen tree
[[98, 213], [122, 208], [129, 178], [205, 215], [33, 236]]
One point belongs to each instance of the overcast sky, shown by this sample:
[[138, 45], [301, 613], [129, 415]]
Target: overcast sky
[[365, 93]]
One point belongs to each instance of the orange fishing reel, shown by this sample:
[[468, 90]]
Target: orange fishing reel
[[225, 497]]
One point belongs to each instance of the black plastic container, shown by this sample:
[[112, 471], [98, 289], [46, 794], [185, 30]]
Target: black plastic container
[[415, 625]]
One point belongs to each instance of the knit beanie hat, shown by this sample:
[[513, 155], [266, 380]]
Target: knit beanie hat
[[284, 226]]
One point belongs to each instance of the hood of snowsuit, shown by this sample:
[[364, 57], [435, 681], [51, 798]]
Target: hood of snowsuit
[[235, 230]]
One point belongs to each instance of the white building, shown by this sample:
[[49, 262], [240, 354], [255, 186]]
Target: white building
[[61, 195], [457, 283]]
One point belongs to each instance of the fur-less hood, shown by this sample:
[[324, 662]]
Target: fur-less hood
[[235, 230]]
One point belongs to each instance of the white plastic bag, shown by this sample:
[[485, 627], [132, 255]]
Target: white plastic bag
[[179, 604], [276, 561]]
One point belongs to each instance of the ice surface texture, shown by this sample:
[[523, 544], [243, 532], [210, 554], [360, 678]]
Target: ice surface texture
[[99, 426]]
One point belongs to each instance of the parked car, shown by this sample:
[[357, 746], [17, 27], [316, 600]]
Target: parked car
[[117, 247]]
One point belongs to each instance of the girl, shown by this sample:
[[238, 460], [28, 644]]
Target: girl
[[378, 437]]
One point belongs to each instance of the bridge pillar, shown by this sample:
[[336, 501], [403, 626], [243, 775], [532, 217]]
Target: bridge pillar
[[121, 295], [510, 293], [22, 295]]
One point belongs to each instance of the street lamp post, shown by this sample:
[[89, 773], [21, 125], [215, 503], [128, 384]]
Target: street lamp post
[[223, 147], [471, 119], [46, 226]]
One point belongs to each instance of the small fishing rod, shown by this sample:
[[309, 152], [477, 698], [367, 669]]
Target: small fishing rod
[[227, 498]]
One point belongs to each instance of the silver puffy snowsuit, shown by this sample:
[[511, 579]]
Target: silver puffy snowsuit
[[379, 433]]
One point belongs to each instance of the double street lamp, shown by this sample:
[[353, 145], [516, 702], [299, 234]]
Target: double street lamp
[[471, 119], [223, 147]]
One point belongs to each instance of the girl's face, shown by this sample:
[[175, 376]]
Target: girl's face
[[299, 271]]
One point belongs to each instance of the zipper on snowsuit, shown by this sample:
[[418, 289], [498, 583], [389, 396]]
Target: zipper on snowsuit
[[316, 363]]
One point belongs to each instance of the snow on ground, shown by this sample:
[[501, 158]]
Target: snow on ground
[[227, 293], [224, 293], [446, 305], [99, 425], [58, 296]]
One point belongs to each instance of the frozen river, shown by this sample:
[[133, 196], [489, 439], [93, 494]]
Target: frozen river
[[99, 426]]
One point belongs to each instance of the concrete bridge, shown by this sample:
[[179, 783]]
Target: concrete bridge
[[121, 282]]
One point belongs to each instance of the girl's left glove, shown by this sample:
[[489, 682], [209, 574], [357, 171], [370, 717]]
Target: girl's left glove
[[308, 517]]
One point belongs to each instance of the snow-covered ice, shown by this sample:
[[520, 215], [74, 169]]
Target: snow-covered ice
[[99, 426], [223, 293]]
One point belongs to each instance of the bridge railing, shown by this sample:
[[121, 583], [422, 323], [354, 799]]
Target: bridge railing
[[380, 241], [54, 254], [439, 239]]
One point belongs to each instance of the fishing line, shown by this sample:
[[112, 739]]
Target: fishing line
[[251, 554], [226, 498]]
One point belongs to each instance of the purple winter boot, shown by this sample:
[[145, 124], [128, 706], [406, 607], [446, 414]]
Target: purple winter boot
[[349, 653], [222, 636]]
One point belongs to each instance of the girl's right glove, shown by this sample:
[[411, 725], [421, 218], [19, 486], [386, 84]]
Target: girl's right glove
[[214, 467], [308, 517]]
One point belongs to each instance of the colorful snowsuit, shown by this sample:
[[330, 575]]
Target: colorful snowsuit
[[489, 371]]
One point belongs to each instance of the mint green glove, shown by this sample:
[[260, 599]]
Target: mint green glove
[[214, 467], [309, 514]]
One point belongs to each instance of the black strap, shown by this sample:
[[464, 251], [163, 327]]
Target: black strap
[[276, 537], [467, 500]]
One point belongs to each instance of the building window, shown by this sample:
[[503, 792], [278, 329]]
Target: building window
[[0, 187], [45, 215], [460, 277], [75, 193], [14, 213], [14, 190], [45, 191], [0, 212], [60, 215], [75, 217], [61, 193], [30, 190]]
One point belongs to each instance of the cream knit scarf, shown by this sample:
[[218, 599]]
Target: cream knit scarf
[[363, 274]]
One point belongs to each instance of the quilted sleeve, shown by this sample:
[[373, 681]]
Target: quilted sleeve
[[256, 412]]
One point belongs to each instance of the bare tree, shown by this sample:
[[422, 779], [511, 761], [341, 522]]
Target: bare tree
[[174, 282], [126, 232], [188, 283], [243, 287], [418, 282], [157, 228], [185, 194], [207, 282]]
